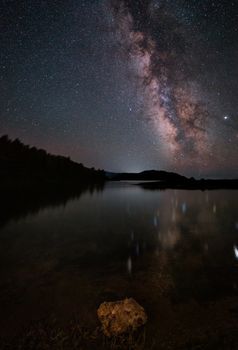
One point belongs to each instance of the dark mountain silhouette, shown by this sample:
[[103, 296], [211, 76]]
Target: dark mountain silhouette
[[164, 180], [22, 166], [148, 175]]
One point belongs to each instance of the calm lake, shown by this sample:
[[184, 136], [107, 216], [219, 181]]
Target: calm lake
[[174, 251]]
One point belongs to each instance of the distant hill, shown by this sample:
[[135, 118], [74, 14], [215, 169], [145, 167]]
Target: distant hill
[[28, 166], [159, 180], [148, 175]]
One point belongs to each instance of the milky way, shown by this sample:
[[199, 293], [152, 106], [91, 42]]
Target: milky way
[[124, 85], [158, 49]]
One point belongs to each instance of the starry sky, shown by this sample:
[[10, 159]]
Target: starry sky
[[123, 85]]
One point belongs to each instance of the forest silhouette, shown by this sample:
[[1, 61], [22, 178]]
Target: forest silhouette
[[32, 179], [23, 166]]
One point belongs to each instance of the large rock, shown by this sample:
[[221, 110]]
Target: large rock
[[121, 316]]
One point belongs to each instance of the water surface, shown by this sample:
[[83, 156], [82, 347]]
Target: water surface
[[174, 251]]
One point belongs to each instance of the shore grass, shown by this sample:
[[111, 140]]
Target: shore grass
[[50, 336]]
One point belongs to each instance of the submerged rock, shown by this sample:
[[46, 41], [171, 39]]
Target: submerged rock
[[121, 316]]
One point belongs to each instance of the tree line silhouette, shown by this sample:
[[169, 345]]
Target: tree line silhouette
[[28, 166]]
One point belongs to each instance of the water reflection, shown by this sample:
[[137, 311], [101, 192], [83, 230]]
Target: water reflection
[[214, 209], [19, 204], [184, 208], [155, 220], [165, 248], [104, 221], [236, 251], [129, 265]]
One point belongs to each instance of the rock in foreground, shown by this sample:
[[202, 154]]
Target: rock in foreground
[[121, 316]]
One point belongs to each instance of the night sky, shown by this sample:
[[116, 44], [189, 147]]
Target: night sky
[[123, 85]]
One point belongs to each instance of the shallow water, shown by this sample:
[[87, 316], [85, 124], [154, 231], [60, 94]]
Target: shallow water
[[174, 251]]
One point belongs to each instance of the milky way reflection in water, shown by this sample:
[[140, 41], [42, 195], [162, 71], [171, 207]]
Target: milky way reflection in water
[[173, 251]]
